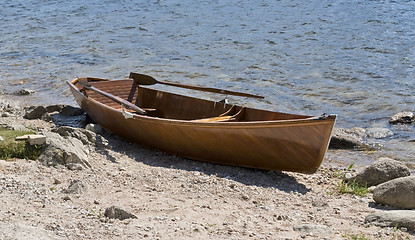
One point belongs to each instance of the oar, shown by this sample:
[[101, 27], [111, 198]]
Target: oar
[[142, 79], [112, 97]]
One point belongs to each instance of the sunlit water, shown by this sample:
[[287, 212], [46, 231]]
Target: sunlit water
[[352, 58]]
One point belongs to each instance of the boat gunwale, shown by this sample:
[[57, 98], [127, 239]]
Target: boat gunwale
[[309, 120]]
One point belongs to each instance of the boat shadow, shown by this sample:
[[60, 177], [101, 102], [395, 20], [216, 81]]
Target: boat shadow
[[247, 176]]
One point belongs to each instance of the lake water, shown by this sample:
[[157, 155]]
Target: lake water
[[351, 58]]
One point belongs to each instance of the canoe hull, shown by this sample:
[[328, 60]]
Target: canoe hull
[[293, 145]]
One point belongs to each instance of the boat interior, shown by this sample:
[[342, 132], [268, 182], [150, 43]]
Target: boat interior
[[167, 105]]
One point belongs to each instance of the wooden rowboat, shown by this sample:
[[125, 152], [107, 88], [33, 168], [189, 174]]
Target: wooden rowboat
[[205, 130]]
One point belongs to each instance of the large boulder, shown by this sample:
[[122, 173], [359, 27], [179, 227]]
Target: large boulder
[[382, 170], [70, 146], [395, 218], [68, 151], [86, 136], [343, 138], [398, 192]]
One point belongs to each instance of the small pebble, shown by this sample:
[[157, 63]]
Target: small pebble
[[94, 128]]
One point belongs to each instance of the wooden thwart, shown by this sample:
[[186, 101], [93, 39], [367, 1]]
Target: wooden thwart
[[119, 100]]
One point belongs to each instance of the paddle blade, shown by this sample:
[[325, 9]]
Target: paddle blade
[[142, 79]]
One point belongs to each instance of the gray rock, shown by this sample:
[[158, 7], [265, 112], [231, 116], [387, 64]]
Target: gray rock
[[5, 114], [35, 112], [35, 139], [87, 137], [348, 138], [395, 218], [46, 117], [71, 111], [74, 166], [55, 108], [398, 192], [66, 110], [379, 132], [96, 128], [313, 229], [118, 213], [64, 151], [382, 170], [76, 187], [24, 92], [402, 117]]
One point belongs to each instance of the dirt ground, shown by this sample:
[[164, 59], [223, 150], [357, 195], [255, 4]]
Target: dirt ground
[[176, 198]]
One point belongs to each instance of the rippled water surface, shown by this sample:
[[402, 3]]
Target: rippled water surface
[[352, 58]]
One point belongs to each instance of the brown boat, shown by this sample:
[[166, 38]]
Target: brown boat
[[204, 130]]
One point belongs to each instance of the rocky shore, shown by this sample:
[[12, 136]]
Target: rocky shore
[[89, 184]]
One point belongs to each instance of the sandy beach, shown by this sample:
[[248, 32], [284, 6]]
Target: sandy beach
[[354, 59], [176, 198]]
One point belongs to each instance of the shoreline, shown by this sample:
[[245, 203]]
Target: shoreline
[[173, 197], [342, 156]]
